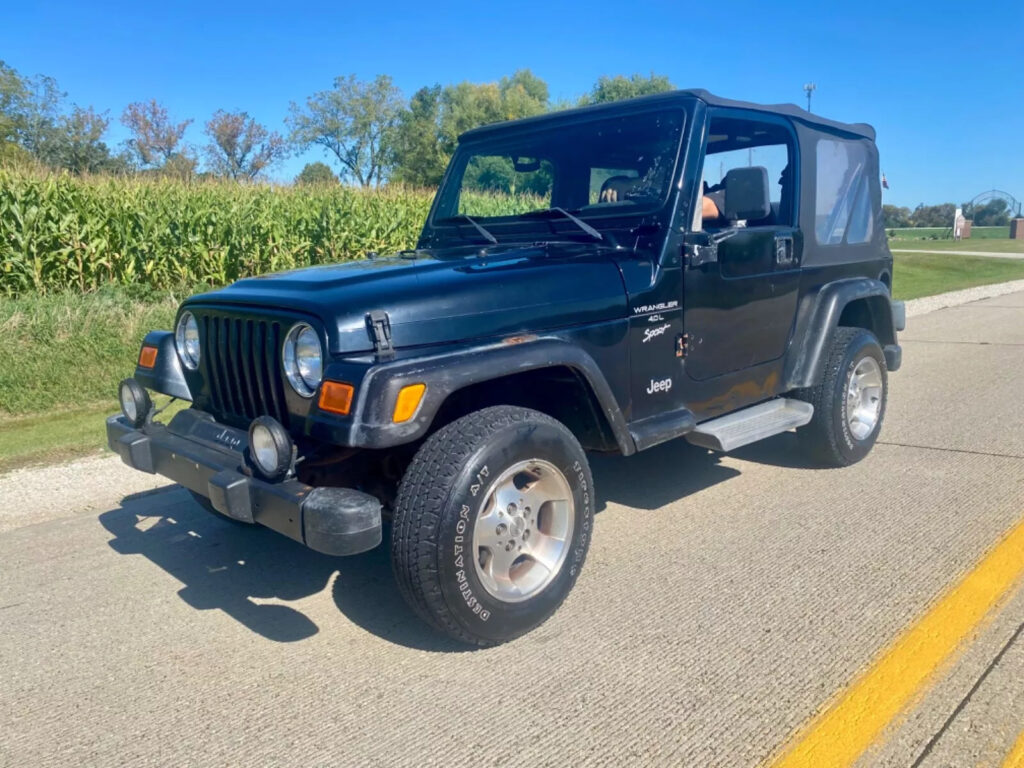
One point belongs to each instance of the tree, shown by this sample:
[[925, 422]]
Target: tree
[[241, 148], [933, 215], [994, 213], [314, 174], [621, 87], [428, 130], [418, 158], [155, 137], [29, 109], [77, 144], [355, 121], [895, 217]]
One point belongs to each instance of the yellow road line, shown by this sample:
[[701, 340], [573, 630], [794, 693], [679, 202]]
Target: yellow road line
[[1016, 757], [841, 734]]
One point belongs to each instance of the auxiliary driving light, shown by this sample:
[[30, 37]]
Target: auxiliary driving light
[[270, 447], [135, 402]]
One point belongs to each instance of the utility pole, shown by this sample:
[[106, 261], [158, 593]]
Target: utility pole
[[809, 88]]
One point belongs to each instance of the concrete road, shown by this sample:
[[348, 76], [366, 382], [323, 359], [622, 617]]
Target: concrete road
[[993, 254], [725, 602]]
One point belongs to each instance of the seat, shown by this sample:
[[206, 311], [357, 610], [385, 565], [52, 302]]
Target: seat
[[622, 185]]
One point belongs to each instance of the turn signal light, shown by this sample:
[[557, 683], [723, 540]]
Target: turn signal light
[[147, 357], [407, 402], [336, 397]]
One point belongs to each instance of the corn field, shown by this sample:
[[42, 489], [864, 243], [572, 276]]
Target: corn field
[[61, 233]]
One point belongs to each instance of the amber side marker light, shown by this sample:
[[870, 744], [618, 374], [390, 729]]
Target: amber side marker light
[[407, 402], [336, 397], [147, 357]]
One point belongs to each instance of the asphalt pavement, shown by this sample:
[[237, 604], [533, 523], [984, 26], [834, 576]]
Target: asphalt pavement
[[726, 601]]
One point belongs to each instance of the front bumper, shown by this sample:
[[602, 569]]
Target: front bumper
[[209, 458]]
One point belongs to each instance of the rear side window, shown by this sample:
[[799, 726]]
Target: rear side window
[[842, 209]]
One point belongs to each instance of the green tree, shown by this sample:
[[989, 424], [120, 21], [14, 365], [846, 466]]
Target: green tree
[[241, 148], [895, 216], [355, 121], [621, 87], [156, 139], [933, 215], [77, 143], [29, 110], [994, 213], [316, 173], [418, 157]]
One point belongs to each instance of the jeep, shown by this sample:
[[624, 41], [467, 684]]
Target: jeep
[[601, 279]]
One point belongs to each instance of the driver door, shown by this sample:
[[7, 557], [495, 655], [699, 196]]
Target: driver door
[[739, 309]]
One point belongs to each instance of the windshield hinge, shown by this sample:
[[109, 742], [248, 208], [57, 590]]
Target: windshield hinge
[[379, 325]]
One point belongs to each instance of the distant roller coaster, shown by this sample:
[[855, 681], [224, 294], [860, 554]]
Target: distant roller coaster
[[1013, 205]]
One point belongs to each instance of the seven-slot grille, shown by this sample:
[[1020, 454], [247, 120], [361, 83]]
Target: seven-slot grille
[[241, 362]]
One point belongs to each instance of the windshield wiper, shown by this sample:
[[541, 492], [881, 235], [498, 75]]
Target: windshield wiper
[[490, 238], [574, 219]]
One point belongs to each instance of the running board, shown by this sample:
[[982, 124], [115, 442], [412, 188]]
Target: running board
[[741, 428]]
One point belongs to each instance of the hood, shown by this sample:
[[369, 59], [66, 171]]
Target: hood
[[442, 296]]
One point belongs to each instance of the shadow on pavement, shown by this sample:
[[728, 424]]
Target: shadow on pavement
[[233, 568], [657, 476]]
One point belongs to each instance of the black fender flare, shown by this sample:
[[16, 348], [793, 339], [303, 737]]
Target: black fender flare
[[817, 318], [166, 376], [371, 425]]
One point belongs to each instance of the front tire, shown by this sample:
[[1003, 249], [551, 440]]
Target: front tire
[[492, 524], [849, 403]]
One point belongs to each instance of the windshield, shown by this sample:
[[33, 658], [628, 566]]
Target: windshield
[[617, 165]]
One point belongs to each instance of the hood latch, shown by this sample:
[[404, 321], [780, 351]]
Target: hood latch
[[379, 326]]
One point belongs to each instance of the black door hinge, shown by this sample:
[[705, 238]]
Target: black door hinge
[[379, 325]]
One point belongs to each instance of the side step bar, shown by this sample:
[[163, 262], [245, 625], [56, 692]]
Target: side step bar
[[741, 428]]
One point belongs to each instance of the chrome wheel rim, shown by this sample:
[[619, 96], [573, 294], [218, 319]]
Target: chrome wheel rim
[[523, 530], [864, 398]]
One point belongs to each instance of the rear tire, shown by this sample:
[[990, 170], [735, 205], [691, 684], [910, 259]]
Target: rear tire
[[492, 524], [849, 403]]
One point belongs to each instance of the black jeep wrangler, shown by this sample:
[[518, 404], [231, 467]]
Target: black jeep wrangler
[[599, 279]]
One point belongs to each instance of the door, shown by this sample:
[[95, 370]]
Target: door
[[739, 308]]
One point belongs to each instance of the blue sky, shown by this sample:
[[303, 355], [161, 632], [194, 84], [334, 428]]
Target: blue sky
[[943, 83]]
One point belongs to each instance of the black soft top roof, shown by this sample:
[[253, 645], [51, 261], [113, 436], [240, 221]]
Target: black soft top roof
[[788, 110]]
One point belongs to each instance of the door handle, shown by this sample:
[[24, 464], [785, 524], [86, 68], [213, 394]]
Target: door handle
[[784, 254]]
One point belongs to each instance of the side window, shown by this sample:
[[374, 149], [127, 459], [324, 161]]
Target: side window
[[842, 205], [734, 143]]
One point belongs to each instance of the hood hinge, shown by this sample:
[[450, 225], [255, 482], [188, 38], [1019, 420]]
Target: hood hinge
[[379, 326]]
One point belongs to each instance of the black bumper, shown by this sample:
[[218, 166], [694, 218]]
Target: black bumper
[[208, 458]]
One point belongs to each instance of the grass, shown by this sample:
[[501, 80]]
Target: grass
[[926, 274], [69, 350], [985, 246], [48, 438], [928, 233], [61, 356]]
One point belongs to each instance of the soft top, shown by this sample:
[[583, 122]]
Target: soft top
[[788, 110]]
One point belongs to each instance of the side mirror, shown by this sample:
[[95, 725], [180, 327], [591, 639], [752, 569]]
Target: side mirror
[[746, 194]]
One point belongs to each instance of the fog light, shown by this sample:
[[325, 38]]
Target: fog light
[[135, 402], [270, 447]]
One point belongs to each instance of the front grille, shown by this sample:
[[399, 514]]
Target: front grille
[[241, 362]]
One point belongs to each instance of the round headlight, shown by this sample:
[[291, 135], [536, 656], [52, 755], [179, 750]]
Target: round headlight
[[135, 402], [186, 339], [303, 359], [270, 447]]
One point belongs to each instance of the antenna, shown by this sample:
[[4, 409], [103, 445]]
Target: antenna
[[809, 88]]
